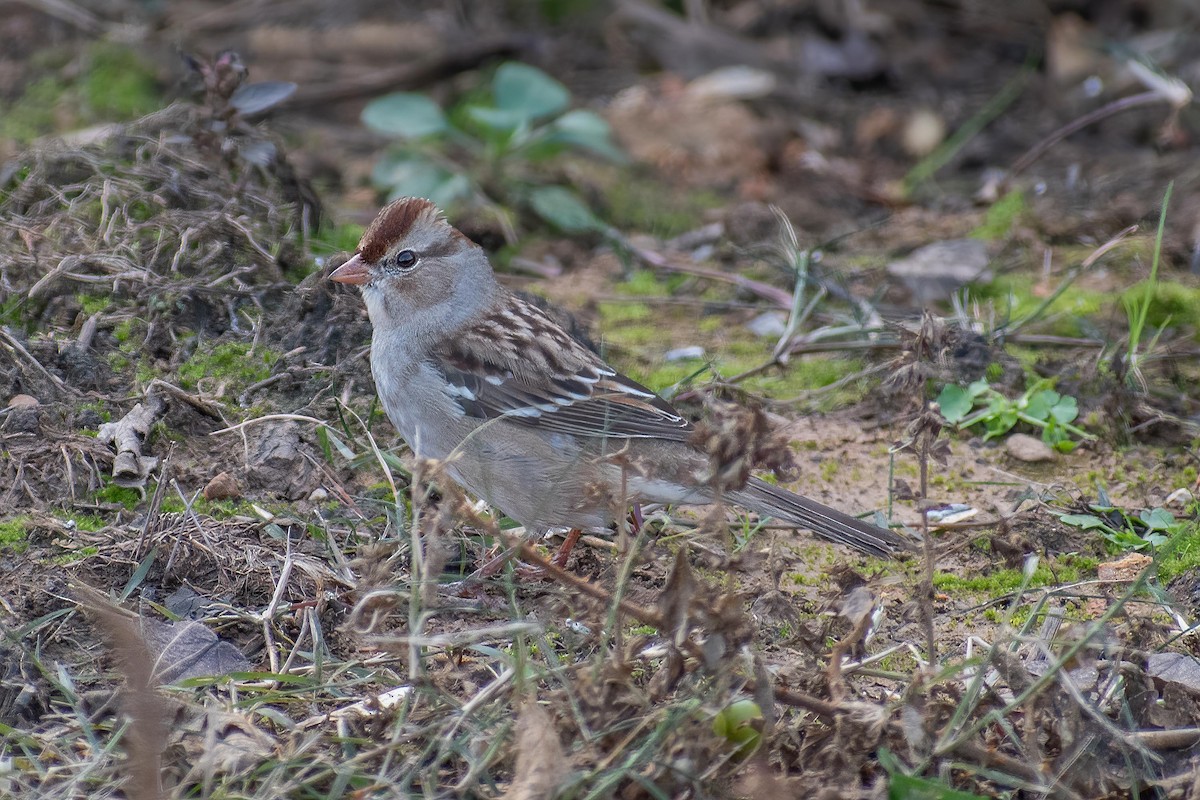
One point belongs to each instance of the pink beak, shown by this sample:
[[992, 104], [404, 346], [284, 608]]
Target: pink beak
[[353, 271]]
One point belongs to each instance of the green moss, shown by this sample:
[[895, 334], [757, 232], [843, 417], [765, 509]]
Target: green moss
[[35, 112], [237, 363], [622, 313], [1065, 316], [76, 555], [100, 408], [645, 283], [14, 534], [118, 84], [94, 304], [642, 203], [829, 469], [217, 509], [802, 375], [120, 495], [144, 373], [1185, 478], [123, 331], [1066, 570], [1183, 555], [628, 324], [1002, 217], [89, 522], [338, 238], [161, 430], [1170, 304]]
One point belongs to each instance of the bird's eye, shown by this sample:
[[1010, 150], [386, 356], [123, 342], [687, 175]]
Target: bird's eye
[[406, 260]]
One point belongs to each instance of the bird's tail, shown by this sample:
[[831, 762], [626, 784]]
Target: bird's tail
[[826, 522]]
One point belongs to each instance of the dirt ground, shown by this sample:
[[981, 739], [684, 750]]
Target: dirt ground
[[227, 577]]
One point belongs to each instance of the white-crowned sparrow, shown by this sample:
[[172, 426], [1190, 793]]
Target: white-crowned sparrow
[[523, 415]]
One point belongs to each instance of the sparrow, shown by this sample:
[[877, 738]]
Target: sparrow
[[522, 414]]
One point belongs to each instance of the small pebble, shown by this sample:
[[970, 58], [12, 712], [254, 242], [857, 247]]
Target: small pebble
[[684, 353], [1024, 447], [222, 487], [318, 495], [771, 324]]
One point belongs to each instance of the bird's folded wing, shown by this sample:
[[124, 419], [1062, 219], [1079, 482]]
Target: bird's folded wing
[[563, 389]]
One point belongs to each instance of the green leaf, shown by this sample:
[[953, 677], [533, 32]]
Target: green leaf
[[1001, 420], [906, 787], [1065, 446], [977, 387], [1040, 403], [955, 403], [335, 442], [1126, 540], [564, 209], [1158, 519], [497, 120], [586, 130], [1054, 434], [1156, 539], [1083, 521], [1065, 410], [405, 115], [408, 174], [527, 90]]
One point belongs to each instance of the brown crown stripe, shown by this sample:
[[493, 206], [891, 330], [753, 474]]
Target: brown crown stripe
[[392, 224]]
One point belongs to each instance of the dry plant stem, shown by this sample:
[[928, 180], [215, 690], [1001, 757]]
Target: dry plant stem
[[927, 593], [788, 697], [155, 504], [1092, 117], [269, 614], [464, 638], [69, 13], [623, 576], [1169, 739], [834, 675], [293, 418], [147, 733], [203, 406], [408, 76], [416, 619], [949, 741], [530, 554], [14, 347], [658, 261], [978, 754]]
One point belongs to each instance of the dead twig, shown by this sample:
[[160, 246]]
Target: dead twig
[[1091, 118], [409, 76], [201, 405], [147, 734], [15, 348], [657, 260]]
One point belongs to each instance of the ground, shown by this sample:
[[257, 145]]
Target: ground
[[196, 478]]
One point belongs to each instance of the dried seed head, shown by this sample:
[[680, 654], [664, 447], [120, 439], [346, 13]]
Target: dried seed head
[[737, 440]]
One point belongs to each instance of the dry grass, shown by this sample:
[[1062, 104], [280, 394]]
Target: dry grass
[[379, 667]]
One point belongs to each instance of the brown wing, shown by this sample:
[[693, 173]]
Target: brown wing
[[517, 364]]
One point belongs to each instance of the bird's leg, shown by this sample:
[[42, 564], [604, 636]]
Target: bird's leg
[[564, 552]]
